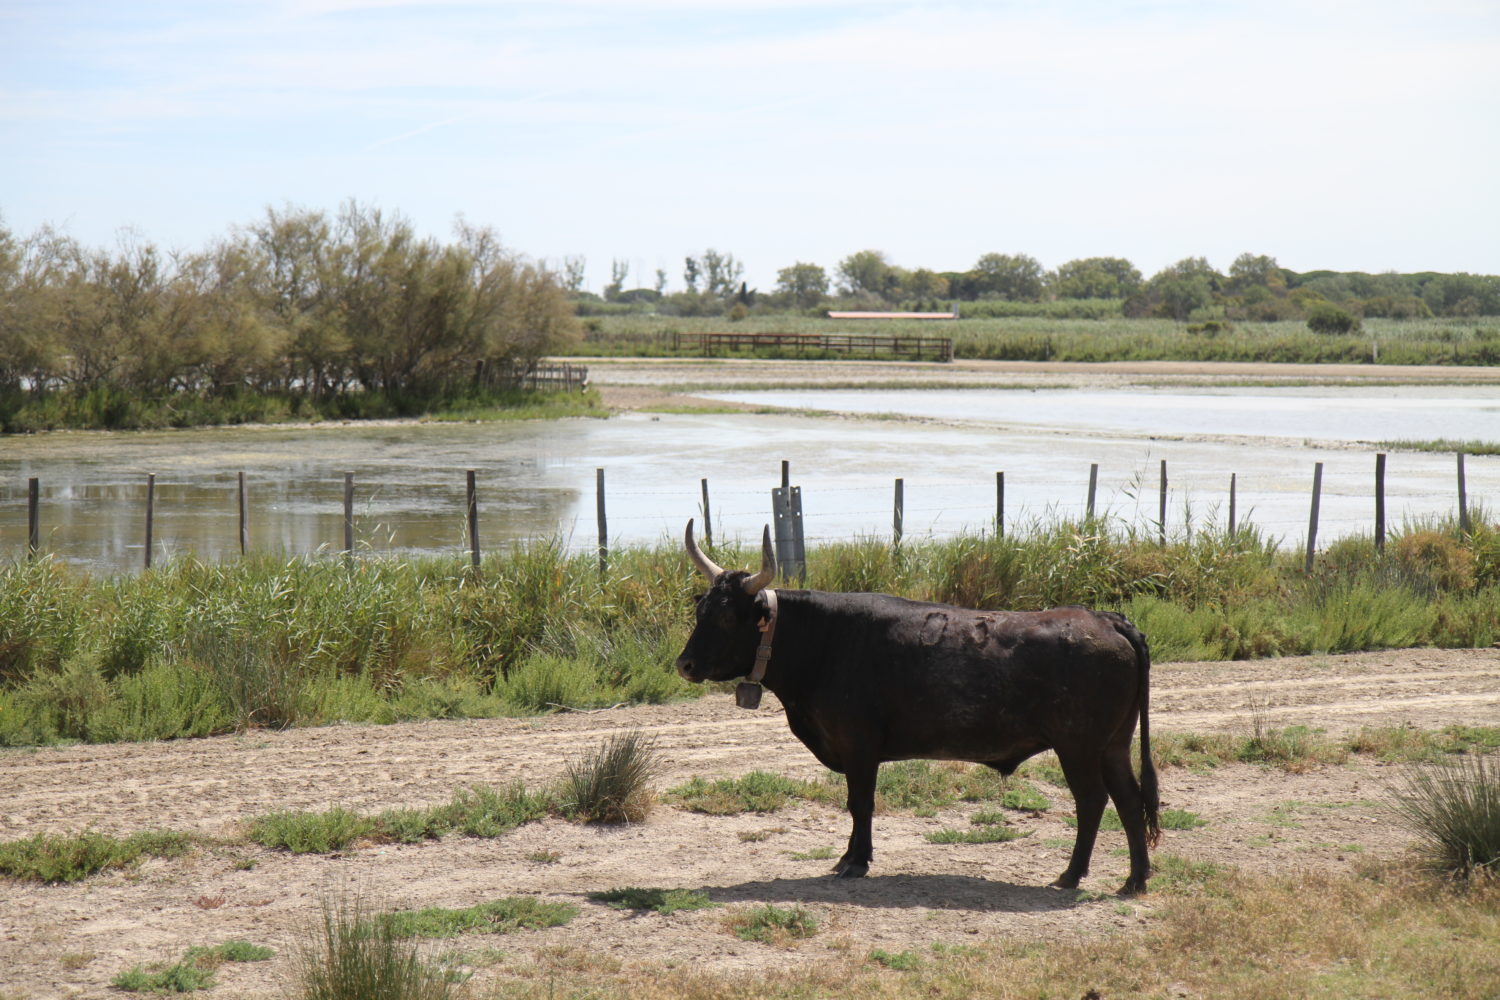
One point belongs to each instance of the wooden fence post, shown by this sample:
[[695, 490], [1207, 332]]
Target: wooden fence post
[[603, 522], [1380, 502], [471, 506], [1231, 504], [999, 505], [244, 517], [1093, 487], [708, 519], [899, 511], [1312, 522], [1463, 497], [150, 513], [33, 515], [1163, 521], [349, 517]]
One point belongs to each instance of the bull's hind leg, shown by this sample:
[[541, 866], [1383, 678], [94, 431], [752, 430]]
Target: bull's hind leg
[[1086, 782], [1126, 791], [856, 860]]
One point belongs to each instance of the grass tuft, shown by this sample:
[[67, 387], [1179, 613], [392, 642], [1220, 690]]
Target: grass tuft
[[663, 901], [1454, 807], [612, 784], [770, 924], [356, 956]]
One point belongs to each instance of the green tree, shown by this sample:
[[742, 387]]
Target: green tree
[[1095, 278], [1325, 317], [1016, 277], [804, 284], [867, 272]]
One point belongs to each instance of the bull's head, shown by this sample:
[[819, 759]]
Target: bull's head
[[722, 646]]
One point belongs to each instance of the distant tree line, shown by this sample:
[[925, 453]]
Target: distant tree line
[[301, 302], [1256, 287]]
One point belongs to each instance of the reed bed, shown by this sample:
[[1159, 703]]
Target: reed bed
[[1446, 341], [194, 649]]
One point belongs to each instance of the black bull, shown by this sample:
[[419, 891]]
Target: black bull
[[869, 678]]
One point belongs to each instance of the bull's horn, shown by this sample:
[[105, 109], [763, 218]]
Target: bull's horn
[[707, 566], [761, 580]]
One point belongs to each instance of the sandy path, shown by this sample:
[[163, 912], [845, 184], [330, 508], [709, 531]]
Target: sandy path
[[70, 940]]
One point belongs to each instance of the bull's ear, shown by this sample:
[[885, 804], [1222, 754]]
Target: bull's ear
[[761, 580]]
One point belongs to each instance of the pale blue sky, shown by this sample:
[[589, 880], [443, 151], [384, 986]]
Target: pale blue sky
[[1346, 135]]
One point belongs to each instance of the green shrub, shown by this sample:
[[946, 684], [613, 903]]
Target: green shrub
[[758, 792]]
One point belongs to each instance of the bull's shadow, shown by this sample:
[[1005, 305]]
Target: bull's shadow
[[929, 892]]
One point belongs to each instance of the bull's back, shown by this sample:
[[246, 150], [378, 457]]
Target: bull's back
[[946, 682]]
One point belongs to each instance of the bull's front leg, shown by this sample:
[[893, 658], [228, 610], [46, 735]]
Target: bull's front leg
[[856, 860]]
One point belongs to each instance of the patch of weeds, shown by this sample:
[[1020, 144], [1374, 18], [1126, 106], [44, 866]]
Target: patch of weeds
[[815, 854], [75, 960], [611, 785], [1046, 769], [1406, 744], [1293, 749], [310, 832], [500, 916], [1181, 819], [757, 792], [1091, 896], [233, 950], [981, 835], [1174, 874], [481, 811], [184, 977], [756, 836], [663, 901], [770, 924], [71, 857], [1026, 798], [412, 826], [544, 857], [901, 961], [194, 972]]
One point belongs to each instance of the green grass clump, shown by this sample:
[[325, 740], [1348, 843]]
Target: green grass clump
[[70, 857], [303, 832], [611, 785], [758, 792], [663, 901], [353, 955], [1454, 807], [770, 924], [501, 916]]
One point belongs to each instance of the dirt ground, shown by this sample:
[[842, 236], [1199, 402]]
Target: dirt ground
[[70, 940]]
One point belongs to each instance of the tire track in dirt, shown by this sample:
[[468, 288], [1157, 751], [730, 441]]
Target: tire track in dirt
[[212, 785]]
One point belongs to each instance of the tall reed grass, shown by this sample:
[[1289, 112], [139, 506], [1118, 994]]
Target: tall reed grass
[[192, 649]]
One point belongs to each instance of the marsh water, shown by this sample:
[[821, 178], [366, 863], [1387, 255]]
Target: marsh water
[[538, 479]]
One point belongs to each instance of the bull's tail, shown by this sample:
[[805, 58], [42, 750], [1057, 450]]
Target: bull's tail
[[1150, 791]]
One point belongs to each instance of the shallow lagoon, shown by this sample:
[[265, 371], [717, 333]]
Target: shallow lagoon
[[537, 480]]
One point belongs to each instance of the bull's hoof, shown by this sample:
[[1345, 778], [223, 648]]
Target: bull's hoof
[[850, 869], [1133, 887], [1066, 881]]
